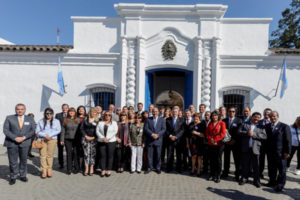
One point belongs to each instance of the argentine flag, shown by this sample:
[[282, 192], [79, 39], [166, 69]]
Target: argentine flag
[[283, 79], [60, 79]]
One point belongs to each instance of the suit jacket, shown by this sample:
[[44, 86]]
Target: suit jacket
[[177, 131], [279, 140], [60, 117], [11, 130], [259, 134], [233, 128], [160, 129]]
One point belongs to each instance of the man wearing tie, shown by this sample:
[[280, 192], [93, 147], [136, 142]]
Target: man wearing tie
[[232, 125], [175, 131], [185, 141], [18, 130], [155, 128], [278, 150], [61, 117], [263, 150], [252, 134], [246, 114]]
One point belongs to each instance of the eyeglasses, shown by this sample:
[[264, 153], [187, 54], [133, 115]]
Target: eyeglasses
[[107, 115], [231, 111], [49, 113]]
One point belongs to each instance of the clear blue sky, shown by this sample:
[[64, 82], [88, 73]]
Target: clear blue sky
[[36, 21]]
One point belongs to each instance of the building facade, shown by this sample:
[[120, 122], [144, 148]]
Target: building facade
[[161, 54]]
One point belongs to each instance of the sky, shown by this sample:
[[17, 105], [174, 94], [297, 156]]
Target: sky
[[35, 21]]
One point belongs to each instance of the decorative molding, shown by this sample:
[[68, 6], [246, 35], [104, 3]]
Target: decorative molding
[[101, 87], [131, 71]]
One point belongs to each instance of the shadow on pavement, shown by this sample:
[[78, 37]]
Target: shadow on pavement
[[293, 193], [233, 194]]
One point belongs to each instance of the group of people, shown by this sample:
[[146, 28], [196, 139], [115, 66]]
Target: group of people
[[125, 139]]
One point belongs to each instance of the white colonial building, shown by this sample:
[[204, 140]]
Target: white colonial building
[[161, 54]]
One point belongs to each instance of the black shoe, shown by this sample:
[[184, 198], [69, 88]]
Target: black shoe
[[69, 172], [107, 175], [242, 181], [138, 172], [61, 166], [12, 181], [209, 178], [158, 171], [147, 171], [278, 189], [30, 155], [102, 175], [131, 172], [192, 173], [179, 171], [257, 184], [237, 178], [75, 171], [224, 175], [217, 180], [24, 179], [270, 184]]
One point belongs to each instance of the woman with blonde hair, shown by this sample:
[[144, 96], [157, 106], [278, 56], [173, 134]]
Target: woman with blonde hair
[[88, 130], [106, 133]]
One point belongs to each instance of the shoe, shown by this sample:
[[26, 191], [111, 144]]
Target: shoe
[[12, 181], [61, 166], [75, 171], [69, 172], [158, 171], [198, 175], [257, 184], [243, 181], [102, 175], [91, 173], [84, 174], [138, 172], [30, 155], [217, 180], [270, 184], [44, 175], [24, 179], [107, 175], [224, 175], [209, 178], [131, 172], [49, 174], [237, 178], [147, 171], [278, 189], [192, 173], [297, 172]]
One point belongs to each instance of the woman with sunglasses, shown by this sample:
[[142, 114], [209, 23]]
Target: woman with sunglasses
[[47, 130], [88, 130], [106, 133], [137, 143], [67, 138]]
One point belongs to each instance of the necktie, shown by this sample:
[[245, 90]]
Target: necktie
[[155, 120], [187, 122], [229, 122], [20, 122], [174, 122], [272, 126]]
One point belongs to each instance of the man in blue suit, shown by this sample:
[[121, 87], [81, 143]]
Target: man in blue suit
[[18, 130], [155, 127], [278, 150]]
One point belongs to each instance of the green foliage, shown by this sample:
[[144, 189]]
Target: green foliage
[[288, 33]]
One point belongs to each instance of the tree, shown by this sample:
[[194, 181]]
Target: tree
[[288, 33]]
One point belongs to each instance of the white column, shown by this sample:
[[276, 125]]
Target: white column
[[123, 70], [206, 75], [131, 68], [197, 74], [216, 75], [140, 70]]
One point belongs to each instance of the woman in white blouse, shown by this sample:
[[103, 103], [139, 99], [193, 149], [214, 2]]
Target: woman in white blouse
[[295, 130], [106, 132]]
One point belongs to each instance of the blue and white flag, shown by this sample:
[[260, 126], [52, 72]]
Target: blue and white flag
[[60, 79], [283, 79]]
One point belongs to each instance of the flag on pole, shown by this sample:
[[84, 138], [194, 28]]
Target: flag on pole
[[60, 79], [283, 79], [57, 36]]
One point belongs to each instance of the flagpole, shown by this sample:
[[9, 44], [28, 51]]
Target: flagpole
[[280, 75]]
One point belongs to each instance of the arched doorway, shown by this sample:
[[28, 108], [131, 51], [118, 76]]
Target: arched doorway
[[169, 87]]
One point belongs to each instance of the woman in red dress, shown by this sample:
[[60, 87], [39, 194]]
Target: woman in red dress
[[215, 132]]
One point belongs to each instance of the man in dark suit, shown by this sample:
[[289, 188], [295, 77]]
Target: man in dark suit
[[18, 130], [252, 133], [232, 125], [278, 150], [175, 131], [263, 147], [246, 114], [185, 143], [155, 127], [61, 117]]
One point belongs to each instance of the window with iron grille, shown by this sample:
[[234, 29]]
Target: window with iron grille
[[237, 98], [103, 99]]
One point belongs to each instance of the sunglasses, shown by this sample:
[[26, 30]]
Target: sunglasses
[[232, 111], [49, 113]]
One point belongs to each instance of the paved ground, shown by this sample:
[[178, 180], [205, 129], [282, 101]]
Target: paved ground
[[133, 186]]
